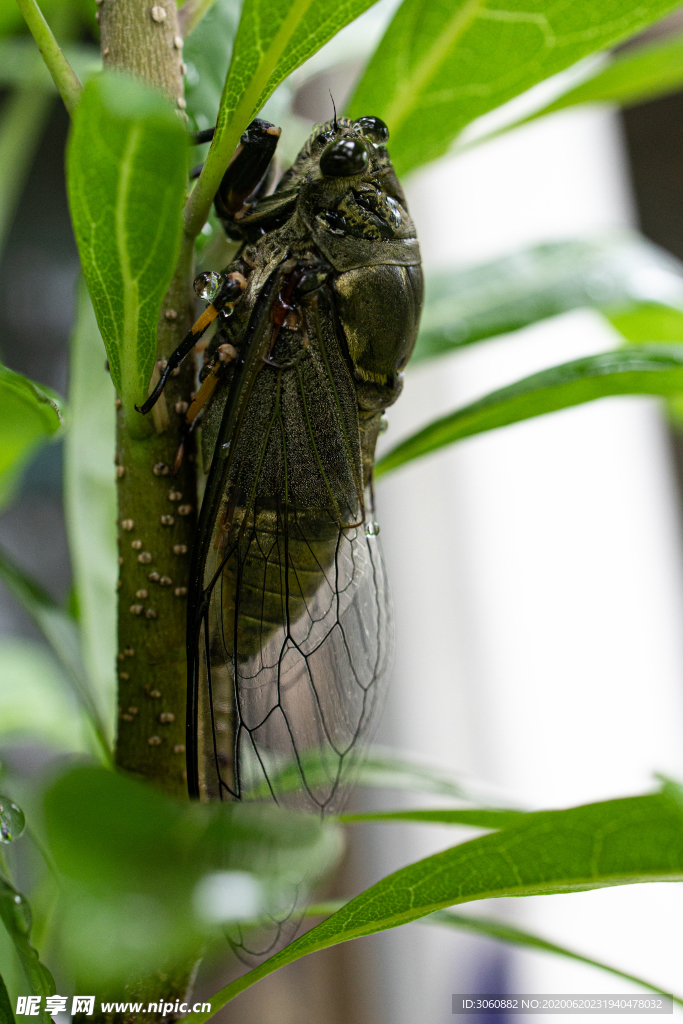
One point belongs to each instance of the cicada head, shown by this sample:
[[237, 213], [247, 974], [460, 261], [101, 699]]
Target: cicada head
[[354, 207], [347, 183]]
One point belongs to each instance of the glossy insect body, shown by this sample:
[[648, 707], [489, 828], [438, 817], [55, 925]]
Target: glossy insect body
[[290, 630]]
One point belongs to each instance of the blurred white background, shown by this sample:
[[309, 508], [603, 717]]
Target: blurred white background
[[537, 577]]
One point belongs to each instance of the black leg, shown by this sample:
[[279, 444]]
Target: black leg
[[247, 168], [204, 136], [230, 290]]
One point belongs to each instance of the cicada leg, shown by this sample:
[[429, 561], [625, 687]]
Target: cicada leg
[[224, 355], [230, 290], [243, 178], [247, 175]]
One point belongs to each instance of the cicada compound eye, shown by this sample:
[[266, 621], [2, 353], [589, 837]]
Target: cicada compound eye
[[344, 157], [374, 129]]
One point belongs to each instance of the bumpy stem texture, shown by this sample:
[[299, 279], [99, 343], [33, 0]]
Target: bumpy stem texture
[[157, 510], [143, 38], [157, 518]]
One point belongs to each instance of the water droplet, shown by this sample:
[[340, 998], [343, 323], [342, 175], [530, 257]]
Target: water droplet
[[206, 285], [12, 820], [371, 529], [21, 914], [18, 910]]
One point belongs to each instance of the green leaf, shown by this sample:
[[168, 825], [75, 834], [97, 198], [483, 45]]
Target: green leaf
[[630, 78], [379, 769], [106, 828], [126, 176], [30, 416], [442, 64], [387, 769], [480, 817], [35, 702], [500, 930], [618, 842], [644, 74], [617, 274], [131, 860], [636, 371], [649, 322], [506, 933], [62, 633], [273, 39], [15, 914], [90, 500], [6, 1015]]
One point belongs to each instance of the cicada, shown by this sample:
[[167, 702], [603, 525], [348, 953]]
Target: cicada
[[290, 629]]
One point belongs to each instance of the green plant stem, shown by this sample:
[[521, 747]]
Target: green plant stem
[[154, 679], [63, 75], [199, 203], [228, 133], [23, 118], [151, 618], [151, 50]]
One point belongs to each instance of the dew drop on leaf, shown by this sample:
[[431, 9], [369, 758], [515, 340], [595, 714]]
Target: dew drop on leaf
[[12, 820], [16, 912]]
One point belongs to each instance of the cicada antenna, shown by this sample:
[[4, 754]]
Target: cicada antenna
[[336, 126]]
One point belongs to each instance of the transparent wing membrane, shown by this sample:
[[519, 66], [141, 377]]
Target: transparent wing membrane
[[292, 694], [295, 638]]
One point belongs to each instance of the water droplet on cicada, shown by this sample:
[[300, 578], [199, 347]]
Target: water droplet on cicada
[[206, 285], [12, 820], [374, 129], [371, 529]]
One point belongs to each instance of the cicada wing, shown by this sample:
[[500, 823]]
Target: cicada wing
[[293, 641], [290, 697]]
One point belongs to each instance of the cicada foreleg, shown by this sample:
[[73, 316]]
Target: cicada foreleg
[[247, 174], [243, 178]]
